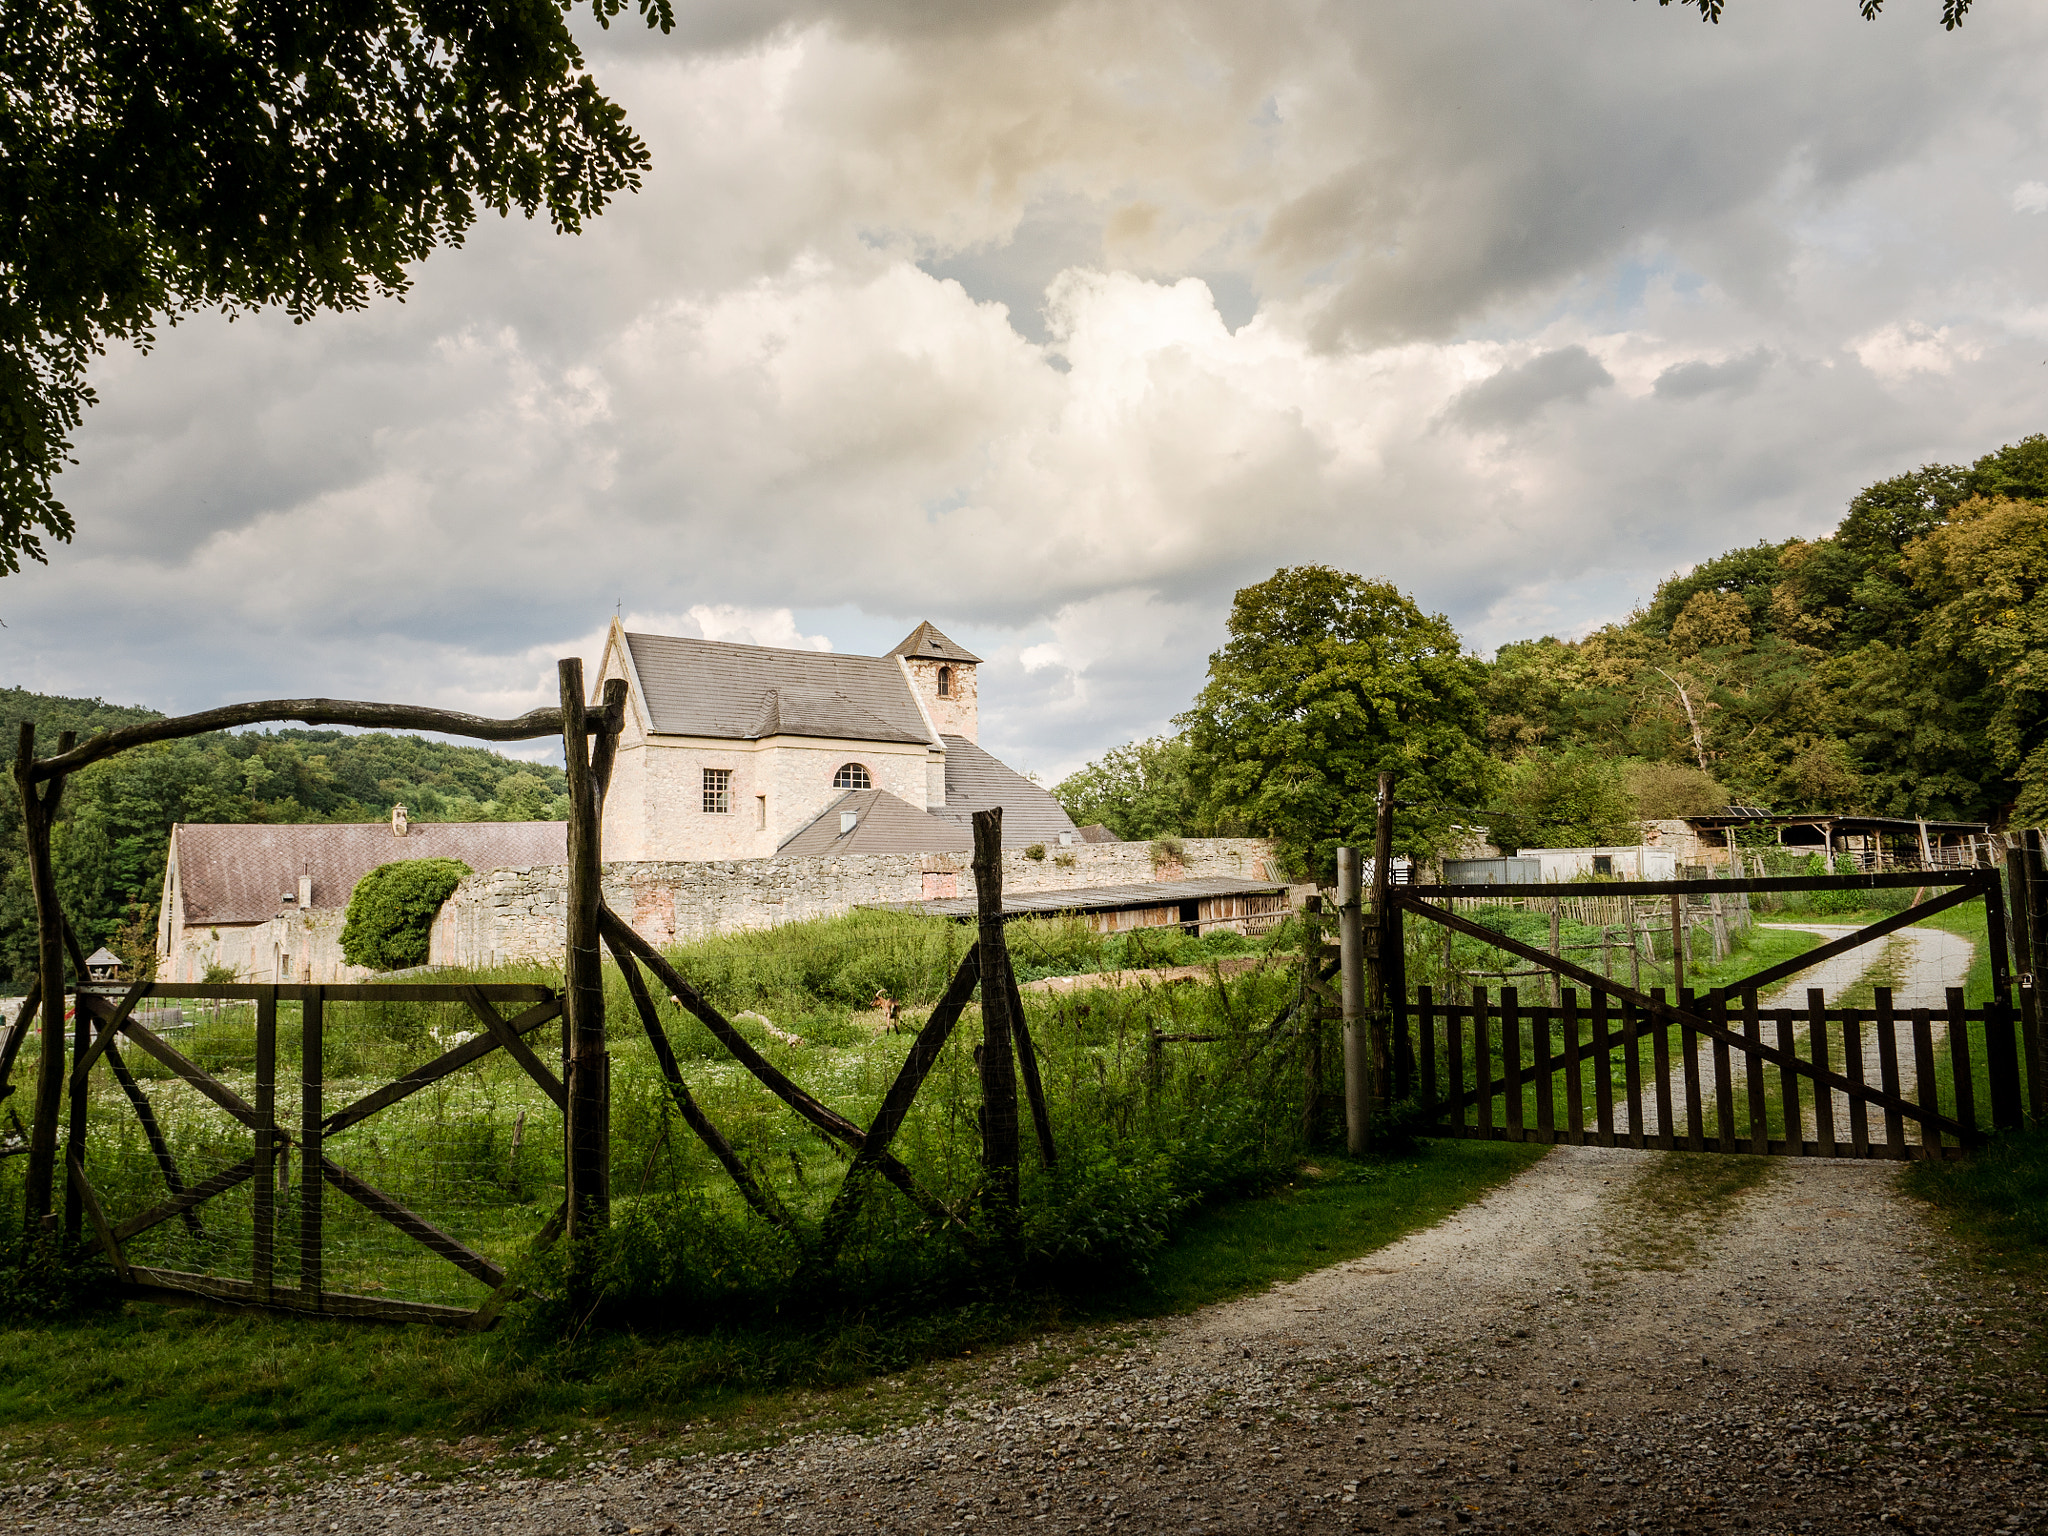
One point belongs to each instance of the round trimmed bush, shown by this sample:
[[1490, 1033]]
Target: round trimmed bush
[[391, 913]]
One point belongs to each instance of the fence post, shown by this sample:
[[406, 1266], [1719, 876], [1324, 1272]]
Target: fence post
[[999, 1137], [2000, 1050], [38, 811], [1351, 958], [589, 1158], [1386, 979]]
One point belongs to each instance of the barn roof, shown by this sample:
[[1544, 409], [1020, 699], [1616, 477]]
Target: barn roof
[[239, 873], [745, 692]]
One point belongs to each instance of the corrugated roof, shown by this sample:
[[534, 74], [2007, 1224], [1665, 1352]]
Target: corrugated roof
[[975, 781], [925, 640], [237, 873], [886, 824], [1098, 898], [714, 688]]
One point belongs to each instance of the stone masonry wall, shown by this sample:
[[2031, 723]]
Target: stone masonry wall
[[517, 914]]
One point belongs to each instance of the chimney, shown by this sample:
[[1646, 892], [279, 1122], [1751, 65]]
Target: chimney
[[398, 821], [848, 820], [305, 892]]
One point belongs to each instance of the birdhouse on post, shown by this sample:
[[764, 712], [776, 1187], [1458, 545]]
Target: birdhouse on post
[[102, 965]]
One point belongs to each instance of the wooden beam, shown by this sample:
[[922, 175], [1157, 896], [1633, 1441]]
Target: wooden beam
[[108, 1029], [219, 1092], [999, 1141], [108, 1243], [344, 992], [429, 1236], [509, 1041], [433, 1071], [374, 717], [1976, 878], [1772, 975], [178, 1204]]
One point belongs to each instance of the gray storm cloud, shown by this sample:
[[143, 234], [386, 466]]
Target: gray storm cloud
[[1057, 322]]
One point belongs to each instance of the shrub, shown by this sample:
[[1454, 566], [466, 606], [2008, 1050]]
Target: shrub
[[391, 912], [1035, 851]]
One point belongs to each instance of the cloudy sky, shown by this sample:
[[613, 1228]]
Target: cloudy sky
[[1057, 322]]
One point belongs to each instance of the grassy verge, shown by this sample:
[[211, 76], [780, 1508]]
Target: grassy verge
[[174, 1391]]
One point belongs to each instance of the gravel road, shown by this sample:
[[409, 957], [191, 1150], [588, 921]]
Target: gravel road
[[1579, 1352]]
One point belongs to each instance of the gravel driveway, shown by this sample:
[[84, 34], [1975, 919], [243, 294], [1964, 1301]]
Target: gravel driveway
[[1575, 1353]]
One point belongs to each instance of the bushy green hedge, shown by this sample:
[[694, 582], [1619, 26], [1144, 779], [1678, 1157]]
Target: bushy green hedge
[[391, 913]]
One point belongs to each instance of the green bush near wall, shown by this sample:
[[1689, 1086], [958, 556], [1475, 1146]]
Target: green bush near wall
[[391, 913]]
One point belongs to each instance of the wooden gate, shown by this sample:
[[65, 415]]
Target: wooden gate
[[241, 1259], [1608, 1064]]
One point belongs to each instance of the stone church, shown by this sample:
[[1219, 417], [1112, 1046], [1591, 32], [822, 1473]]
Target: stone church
[[747, 752]]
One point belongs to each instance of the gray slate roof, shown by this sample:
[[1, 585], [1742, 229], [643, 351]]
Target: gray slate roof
[[975, 781], [236, 873], [745, 692], [886, 825], [1097, 898], [925, 640]]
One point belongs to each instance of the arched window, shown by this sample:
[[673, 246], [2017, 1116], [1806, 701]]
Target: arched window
[[852, 776], [945, 682]]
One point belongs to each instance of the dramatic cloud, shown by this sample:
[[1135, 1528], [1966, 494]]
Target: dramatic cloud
[[1056, 322]]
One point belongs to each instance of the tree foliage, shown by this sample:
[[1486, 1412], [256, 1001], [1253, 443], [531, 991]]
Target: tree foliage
[[115, 821], [392, 909], [1327, 679], [1563, 798], [1144, 790], [161, 158]]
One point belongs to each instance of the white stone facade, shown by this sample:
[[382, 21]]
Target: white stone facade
[[520, 914]]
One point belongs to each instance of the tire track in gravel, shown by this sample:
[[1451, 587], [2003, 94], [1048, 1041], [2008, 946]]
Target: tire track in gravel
[[1513, 1368]]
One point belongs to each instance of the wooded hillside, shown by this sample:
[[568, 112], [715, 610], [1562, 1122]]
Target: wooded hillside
[[1898, 666], [115, 822]]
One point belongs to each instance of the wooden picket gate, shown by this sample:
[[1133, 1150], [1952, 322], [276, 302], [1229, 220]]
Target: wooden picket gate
[[1711, 1071]]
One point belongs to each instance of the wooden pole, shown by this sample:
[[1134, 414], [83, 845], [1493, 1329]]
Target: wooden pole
[[1388, 980], [1357, 1040], [999, 1138], [588, 1160], [2001, 1050], [1677, 942], [38, 811]]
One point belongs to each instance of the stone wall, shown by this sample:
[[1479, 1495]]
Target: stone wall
[[517, 914]]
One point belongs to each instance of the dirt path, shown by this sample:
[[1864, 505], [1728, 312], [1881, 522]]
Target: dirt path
[[1615, 1342]]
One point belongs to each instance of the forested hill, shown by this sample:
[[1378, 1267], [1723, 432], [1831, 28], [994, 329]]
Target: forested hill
[[116, 816], [1897, 666]]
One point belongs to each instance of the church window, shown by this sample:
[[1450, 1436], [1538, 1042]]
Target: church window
[[852, 776], [718, 790], [945, 682]]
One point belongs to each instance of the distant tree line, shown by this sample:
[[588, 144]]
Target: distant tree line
[[114, 826], [1898, 666]]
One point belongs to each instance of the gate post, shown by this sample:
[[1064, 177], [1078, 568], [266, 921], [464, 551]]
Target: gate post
[[2000, 1050], [1351, 956], [2020, 861], [38, 811], [588, 1164]]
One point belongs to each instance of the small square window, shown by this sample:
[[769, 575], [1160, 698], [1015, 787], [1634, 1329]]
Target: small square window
[[718, 790], [1603, 863]]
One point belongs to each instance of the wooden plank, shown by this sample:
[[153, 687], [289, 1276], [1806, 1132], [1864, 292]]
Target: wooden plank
[[1770, 976], [1574, 1066], [1660, 1057], [170, 1285], [760, 1198], [1603, 1073], [1454, 1066], [262, 1256], [1482, 1060], [1888, 1071], [82, 1068], [430, 1237], [510, 1042], [351, 992], [1852, 1065], [1724, 1080], [1425, 1031], [1689, 1044], [1788, 1089], [1632, 1068], [179, 1203], [1891, 880], [1684, 1015], [1759, 1111], [1924, 1086], [1823, 1097], [1511, 1061], [441, 1066], [1027, 1063], [159, 1147], [312, 1188], [1960, 1063], [1541, 1072], [77, 1120], [98, 1217], [219, 1092]]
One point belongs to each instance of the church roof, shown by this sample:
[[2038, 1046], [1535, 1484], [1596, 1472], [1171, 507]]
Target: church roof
[[975, 780], [883, 824], [745, 692], [238, 873], [925, 640]]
